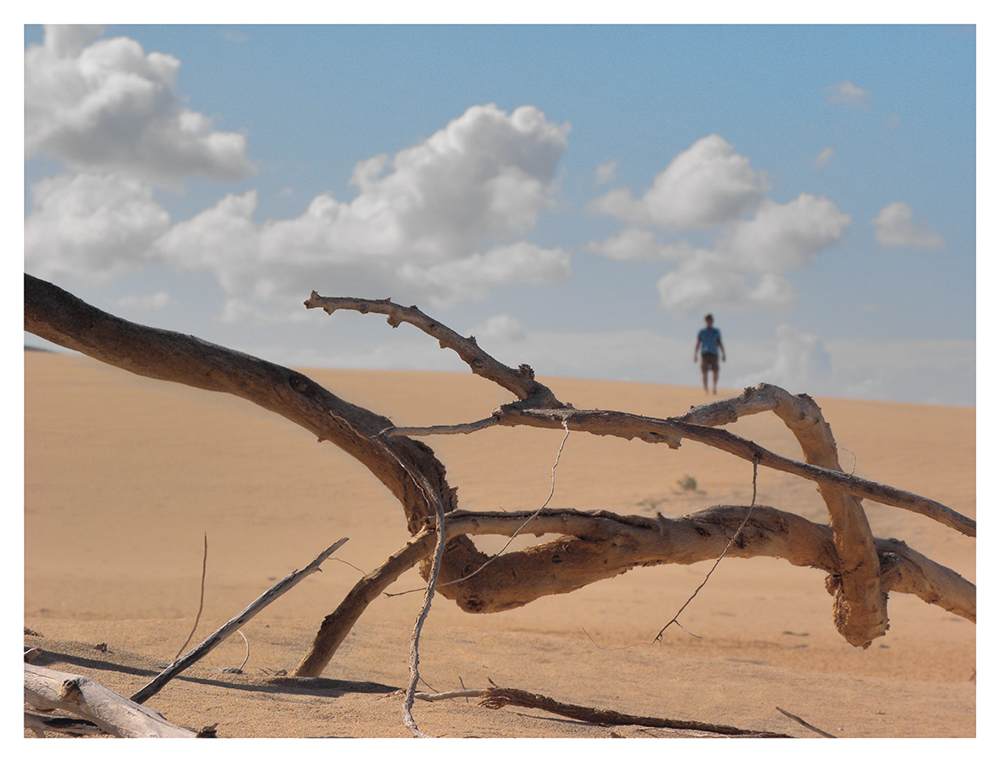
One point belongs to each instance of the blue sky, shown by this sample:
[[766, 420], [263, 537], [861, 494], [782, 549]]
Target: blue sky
[[578, 197]]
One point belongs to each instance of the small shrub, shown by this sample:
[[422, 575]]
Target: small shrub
[[688, 483]]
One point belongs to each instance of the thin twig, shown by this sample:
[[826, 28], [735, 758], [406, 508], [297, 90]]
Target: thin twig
[[659, 635], [432, 496], [552, 490], [271, 594], [247, 643], [804, 723], [201, 601]]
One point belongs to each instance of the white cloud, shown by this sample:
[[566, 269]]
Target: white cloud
[[782, 237], [415, 231], [741, 269], [895, 227], [849, 94], [91, 227], [157, 301], [472, 277], [499, 328], [825, 157], [708, 279], [606, 172], [710, 185], [110, 107], [801, 363], [702, 187], [641, 244]]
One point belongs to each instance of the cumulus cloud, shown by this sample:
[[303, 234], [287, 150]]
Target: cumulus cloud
[[895, 227], [783, 237], [755, 240], [500, 328], [641, 244], [847, 94], [108, 106], [702, 187], [426, 224], [743, 268], [92, 227], [709, 279], [801, 363]]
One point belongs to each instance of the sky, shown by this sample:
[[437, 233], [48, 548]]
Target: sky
[[576, 197]]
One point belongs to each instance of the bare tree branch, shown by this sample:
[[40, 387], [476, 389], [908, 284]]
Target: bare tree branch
[[590, 547], [521, 382], [198, 652]]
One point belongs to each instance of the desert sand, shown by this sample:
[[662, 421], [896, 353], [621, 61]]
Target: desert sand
[[125, 477]]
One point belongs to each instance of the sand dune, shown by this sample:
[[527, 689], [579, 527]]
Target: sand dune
[[125, 476]]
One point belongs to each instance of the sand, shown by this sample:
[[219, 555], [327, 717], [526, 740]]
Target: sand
[[124, 478]]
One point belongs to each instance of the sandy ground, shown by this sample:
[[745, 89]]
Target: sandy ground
[[124, 477]]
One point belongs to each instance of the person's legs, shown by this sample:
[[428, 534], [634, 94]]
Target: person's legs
[[709, 363]]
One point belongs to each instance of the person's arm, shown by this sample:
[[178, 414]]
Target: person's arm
[[722, 350]]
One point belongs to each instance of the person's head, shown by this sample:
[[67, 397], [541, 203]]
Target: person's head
[[709, 320]]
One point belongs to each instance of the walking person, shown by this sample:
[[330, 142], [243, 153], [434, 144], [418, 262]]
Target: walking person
[[710, 343]]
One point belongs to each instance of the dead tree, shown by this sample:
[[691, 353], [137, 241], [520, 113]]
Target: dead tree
[[589, 546]]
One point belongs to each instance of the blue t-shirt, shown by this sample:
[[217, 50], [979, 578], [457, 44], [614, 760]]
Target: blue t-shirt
[[709, 338]]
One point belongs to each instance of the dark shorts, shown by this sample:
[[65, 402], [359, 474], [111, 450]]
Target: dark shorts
[[709, 362]]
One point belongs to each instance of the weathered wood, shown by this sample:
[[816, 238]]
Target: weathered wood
[[335, 626], [860, 605], [596, 545], [496, 698], [47, 689], [67, 726], [410, 470], [653, 430], [198, 652]]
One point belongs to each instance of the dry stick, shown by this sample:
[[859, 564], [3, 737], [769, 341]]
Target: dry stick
[[201, 600], [247, 644], [337, 625], [273, 593], [496, 698], [419, 624], [432, 496], [804, 723], [659, 635]]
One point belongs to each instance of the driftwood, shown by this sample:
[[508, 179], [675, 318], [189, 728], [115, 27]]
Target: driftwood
[[497, 698], [335, 627], [198, 652], [47, 689], [589, 547]]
